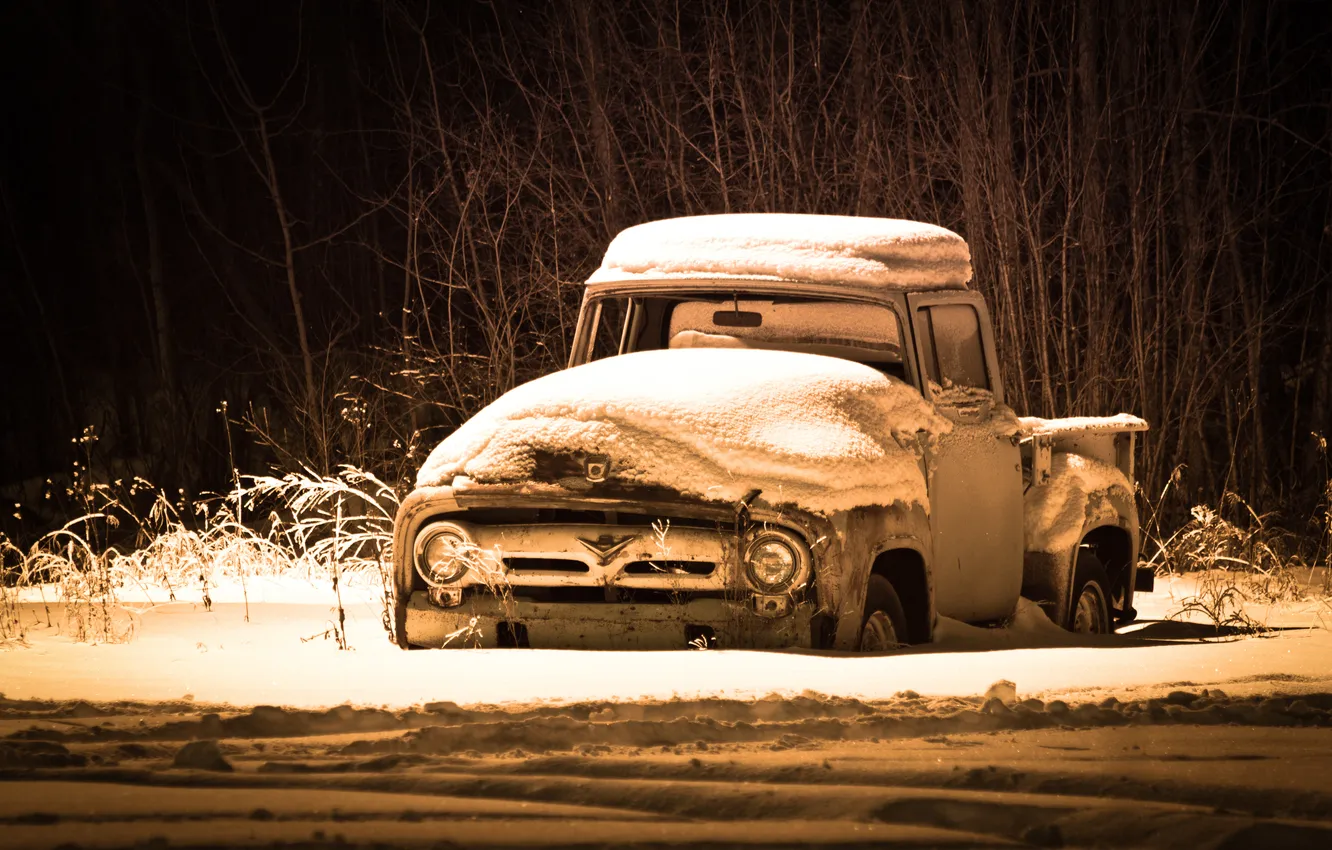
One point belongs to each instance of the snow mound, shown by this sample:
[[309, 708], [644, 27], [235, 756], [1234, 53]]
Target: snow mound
[[1028, 628], [821, 433], [809, 719], [1056, 511], [877, 252], [906, 715]]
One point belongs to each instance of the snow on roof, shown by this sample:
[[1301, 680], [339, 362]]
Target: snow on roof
[[873, 252], [821, 433]]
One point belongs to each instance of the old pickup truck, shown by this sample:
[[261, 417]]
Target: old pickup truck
[[774, 431]]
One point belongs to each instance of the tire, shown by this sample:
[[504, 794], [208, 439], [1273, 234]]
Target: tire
[[883, 627], [1089, 608], [400, 621]]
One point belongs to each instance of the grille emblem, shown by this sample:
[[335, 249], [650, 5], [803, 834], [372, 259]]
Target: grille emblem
[[596, 468], [607, 546]]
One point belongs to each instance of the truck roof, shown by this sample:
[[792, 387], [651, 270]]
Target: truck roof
[[861, 253]]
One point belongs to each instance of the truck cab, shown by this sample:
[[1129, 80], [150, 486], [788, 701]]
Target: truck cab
[[940, 342]]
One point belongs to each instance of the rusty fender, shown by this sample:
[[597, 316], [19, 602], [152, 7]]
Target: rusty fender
[[862, 535]]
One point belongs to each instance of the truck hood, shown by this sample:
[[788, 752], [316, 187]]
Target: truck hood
[[820, 433]]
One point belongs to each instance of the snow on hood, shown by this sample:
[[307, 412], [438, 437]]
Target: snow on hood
[[821, 433], [879, 252]]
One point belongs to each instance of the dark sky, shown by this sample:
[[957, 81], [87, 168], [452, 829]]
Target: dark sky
[[122, 115]]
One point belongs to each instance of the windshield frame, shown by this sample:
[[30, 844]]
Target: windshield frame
[[589, 316]]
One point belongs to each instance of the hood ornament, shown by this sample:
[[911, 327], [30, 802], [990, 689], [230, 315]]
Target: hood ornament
[[607, 546], [596, 468]]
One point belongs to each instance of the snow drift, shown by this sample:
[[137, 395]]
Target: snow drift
[[880, 252], [821, 433]]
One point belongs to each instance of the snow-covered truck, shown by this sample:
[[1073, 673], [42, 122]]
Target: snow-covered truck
[[774, 431]]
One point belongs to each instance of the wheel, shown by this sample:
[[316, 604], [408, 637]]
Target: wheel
[[1090, 612], [883, 628], [400, 620]]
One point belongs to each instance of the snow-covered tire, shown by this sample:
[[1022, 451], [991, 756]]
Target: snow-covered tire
[[883, 627], [1089, 609]]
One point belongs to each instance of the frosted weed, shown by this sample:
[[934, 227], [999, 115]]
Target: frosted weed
[[320, 528]]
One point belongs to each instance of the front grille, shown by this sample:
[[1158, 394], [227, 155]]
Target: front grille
[[566, 516], [545, 565], [657, 568], [603, 595], [557, 594]]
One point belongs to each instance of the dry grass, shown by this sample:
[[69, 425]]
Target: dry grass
[[319, 528], [1242, 558]]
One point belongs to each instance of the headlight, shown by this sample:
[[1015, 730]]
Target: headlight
[[443, 552], [775, 559]]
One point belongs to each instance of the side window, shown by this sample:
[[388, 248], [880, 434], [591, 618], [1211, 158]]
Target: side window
[[951, 346], [609, 328]]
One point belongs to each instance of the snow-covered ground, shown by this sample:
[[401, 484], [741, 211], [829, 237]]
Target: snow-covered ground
[[210, 730], [285, 655]]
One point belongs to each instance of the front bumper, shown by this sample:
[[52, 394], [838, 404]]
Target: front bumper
[[489, 621]]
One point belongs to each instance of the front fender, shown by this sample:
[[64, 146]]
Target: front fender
[[419, 506], [863, 535]]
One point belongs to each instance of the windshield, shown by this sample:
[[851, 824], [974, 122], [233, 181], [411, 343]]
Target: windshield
[[862, 332]]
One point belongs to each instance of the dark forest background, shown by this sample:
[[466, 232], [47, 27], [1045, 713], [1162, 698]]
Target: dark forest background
[[266, 234]]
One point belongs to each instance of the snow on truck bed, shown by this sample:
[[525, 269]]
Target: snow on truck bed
[[874, 252], [821, 433], [1036, 426]]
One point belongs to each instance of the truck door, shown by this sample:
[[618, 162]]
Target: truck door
[[975, 474]]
